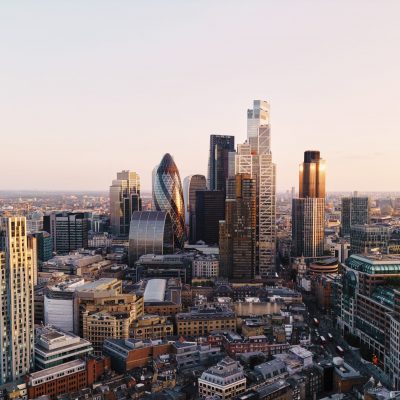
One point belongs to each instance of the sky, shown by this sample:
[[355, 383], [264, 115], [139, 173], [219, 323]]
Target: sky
[[89, 88]]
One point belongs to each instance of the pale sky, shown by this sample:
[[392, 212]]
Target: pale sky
[[88, 88]]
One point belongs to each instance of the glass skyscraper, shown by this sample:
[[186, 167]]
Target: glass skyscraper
[[308, 211], [254, 158], [124, 200], [355, 211], [191, 185], [218, 163], [168, 196]]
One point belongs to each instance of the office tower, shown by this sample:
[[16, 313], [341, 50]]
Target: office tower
[[238, 230], [312, 176], [68, 230], [367, 238], [308, 211], [355, 211], [124, 200], [151, 232], [16, 297], [254, 157], [192, 184], [210, 209], [168, 196], [44, 245], [218, 163]]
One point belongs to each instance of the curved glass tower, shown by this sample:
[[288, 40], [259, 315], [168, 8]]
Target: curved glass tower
[[168, 196], [150, 233]]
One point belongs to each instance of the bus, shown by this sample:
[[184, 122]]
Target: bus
[[340, 351], [323, 340], [330, 337], [316, 322]]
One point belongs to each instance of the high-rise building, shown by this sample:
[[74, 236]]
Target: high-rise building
[[238, 230], [218, 163], [68, 230], [191, 185], [210, 209], [355, 211], [16, 298], [44, 246], [308, 211], [124, 200], [151, 232], [254, 157], [365, 238], [168, 196]]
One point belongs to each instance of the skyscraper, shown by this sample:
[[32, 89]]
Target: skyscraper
[[254, 157], [355, 211], [124, 200], [168, 196], [68, 230], [218, 163], [192, 184], [210, 209], [308, 211], [238, 230], [16, 298]]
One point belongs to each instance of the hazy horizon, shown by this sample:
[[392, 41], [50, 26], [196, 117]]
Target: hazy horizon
[[89, 89]]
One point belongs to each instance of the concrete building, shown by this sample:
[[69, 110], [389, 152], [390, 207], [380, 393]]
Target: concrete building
[[205, 266], [201, 321], [193, 354], [54, 347], [16, 299], [225, 380], [134, 353], [152, 326]]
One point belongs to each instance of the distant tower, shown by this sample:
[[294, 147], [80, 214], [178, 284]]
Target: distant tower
[[254, 158], [308, 211], [168, 196], [192, 184], [355, 211], [218, 164], [124, 200], [16, 299]]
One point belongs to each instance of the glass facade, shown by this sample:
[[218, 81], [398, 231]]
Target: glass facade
[[168, 196], [151, 232]]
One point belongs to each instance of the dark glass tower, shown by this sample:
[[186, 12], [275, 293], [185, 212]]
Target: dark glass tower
[[168, 196], [308, 211], [218, 164], [237, 241], [210, 209]]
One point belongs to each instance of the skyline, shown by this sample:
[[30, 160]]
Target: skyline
[[81, 104]]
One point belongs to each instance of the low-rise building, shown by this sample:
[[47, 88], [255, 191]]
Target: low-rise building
[[54, 347], [205, 266], [133, 353], [201, 321], [152, 326], [226, 380], [192, 354]]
